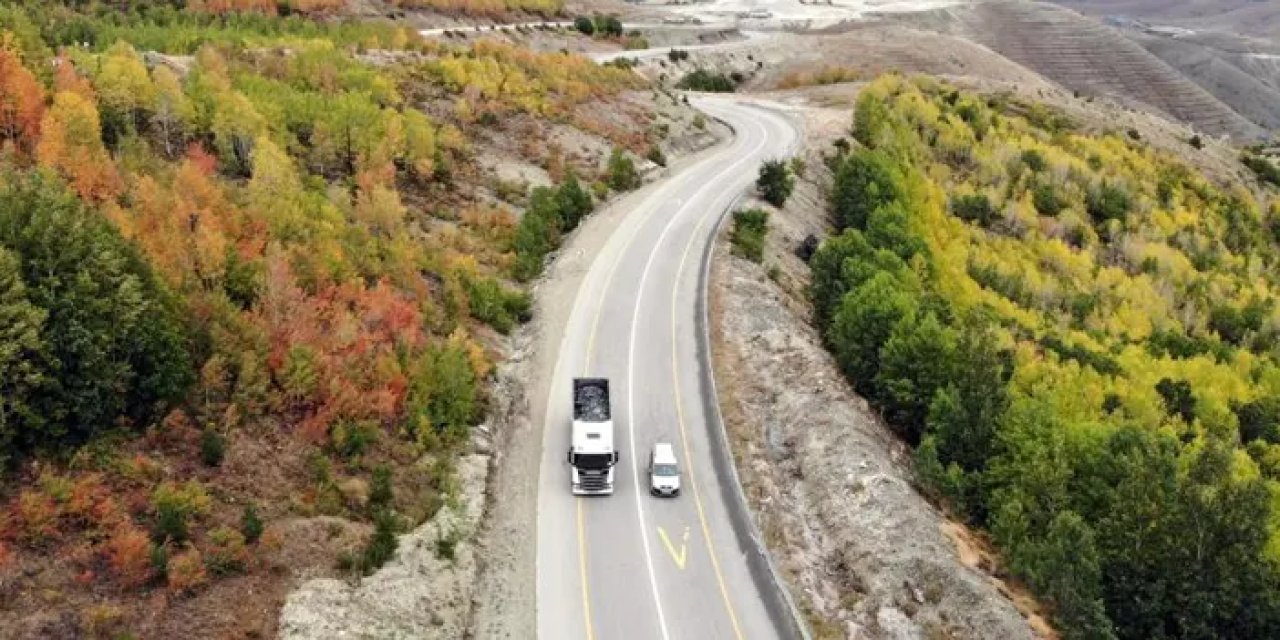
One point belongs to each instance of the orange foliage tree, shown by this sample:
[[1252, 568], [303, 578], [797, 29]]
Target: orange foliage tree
[[21, 104], [128, 553], [72, 144]]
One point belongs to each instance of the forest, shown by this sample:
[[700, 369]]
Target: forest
[[244, 277], [1080, 337]]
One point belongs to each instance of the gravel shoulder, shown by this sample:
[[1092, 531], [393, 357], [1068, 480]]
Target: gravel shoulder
[[865, 554]]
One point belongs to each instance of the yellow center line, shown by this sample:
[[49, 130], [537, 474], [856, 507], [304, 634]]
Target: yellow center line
[[586, 368], [582, 574], [684, 429], [684, 436], [591, 340]]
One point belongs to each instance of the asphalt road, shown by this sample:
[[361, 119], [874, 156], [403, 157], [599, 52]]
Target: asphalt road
[[630, 565]]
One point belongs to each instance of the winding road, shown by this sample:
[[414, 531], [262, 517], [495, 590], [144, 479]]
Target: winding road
[[629, 565]]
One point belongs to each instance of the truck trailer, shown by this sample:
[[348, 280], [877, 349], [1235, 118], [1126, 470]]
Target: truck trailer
[[591, 453]]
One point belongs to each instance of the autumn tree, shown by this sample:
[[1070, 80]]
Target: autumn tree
[[71, 143], [172, 111], [21, 104], [125, 91]]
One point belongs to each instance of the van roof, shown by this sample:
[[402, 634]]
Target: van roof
[[664, 453]]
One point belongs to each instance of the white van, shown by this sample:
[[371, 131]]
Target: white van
[[664, 471]]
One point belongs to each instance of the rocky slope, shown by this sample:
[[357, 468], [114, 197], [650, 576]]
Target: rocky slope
[[424, 592]]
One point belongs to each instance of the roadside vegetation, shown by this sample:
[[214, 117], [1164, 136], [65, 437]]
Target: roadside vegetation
[[775, 182], [701, 79], [495, 9], [747, 235], [245, 279], [824, 76], [1079, 337]]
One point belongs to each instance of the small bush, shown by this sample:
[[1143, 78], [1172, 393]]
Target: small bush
[[656, 156], [213, 447], [380, 494], [677, 55], [600, 190], [159, 556], [128, 553], [1046, 200], [574, 203], [1265, 169], [585, 25], [623, 62], [186, 571], [1196, 142], [497, 306], [250, 524], [351, 438], [608, 26], [798, 166], [447, 545], [634, 43], [975, 208], [174, 506], [226, 552], [1108, 202], [103, 621], [382, 546], [1034, 160], [699, 122], [775, 182], [622, 171], [702, 80], [747, 236]]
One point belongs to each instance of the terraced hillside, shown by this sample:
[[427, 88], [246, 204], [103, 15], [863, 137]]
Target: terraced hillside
[[1086, 56], [1248, 82], [1249, 17]]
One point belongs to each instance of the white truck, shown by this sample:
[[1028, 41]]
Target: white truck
[[591, 453]]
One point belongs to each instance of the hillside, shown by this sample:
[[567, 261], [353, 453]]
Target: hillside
[[1247, 17], [255, 275], [1086, 56], [1120, 441], [1248, 81]]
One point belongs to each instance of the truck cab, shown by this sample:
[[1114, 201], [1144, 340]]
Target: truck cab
[[591, 455], [664, 471]]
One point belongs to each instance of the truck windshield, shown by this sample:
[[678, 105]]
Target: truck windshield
[[592, 460], [665, 470]]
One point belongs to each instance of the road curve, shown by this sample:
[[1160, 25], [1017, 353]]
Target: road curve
[[629, 565]]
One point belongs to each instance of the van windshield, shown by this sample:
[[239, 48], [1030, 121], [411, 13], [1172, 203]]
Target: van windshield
[[665, 470]]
